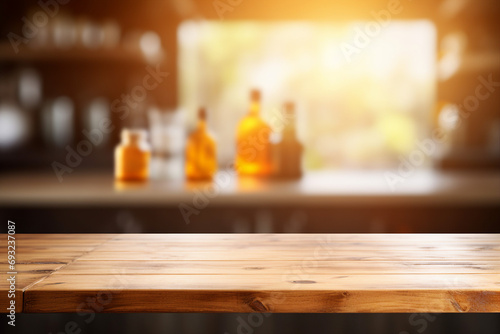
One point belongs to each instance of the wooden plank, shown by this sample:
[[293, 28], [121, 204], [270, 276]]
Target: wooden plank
[[308, 245], [277, 267], [264, 239], [284, 282], [66, 236], [53, 248], [32, 268], [291, 255], [267, 293], [45, 258], [83, 242], [280, 237]]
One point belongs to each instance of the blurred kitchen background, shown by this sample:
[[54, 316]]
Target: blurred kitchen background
[[374, 84]]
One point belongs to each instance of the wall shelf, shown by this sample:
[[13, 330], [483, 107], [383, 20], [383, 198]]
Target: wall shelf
[[77, 54]]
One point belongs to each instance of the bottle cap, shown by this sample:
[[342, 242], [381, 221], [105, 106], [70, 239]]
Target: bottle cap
[[202, 113], [133, 135], [255, 94], [289, 108]]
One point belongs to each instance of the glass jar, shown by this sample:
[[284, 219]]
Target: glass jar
[[132, 156]]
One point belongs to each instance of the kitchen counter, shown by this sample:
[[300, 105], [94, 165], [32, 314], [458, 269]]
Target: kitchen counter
[[315, 188]]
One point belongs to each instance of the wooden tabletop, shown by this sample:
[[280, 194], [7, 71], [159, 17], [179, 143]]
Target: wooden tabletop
[[255, 273]]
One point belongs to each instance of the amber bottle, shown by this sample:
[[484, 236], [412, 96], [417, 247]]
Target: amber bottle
[[201, 153], [289, 149], [132, 156], [253, 148]]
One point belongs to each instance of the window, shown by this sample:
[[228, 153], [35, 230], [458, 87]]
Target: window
[[359, 109]]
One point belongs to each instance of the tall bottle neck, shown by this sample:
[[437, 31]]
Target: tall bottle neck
[[202, 119], [202, 124], [289, 114], [289, 130], [254, 107]]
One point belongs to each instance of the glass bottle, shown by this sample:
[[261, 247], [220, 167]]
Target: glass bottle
[[289, 149], [201, 154], [132, 156], [253, 147]]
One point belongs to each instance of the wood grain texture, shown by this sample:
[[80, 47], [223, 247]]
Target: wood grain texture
[[259, 273], [266, 293], [40, 255]]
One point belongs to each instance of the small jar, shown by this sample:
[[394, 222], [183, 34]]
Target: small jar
[[132, 156]]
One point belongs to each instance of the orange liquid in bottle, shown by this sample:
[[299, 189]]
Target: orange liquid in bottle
[[132, 156], [201, 154], [253, 148]]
